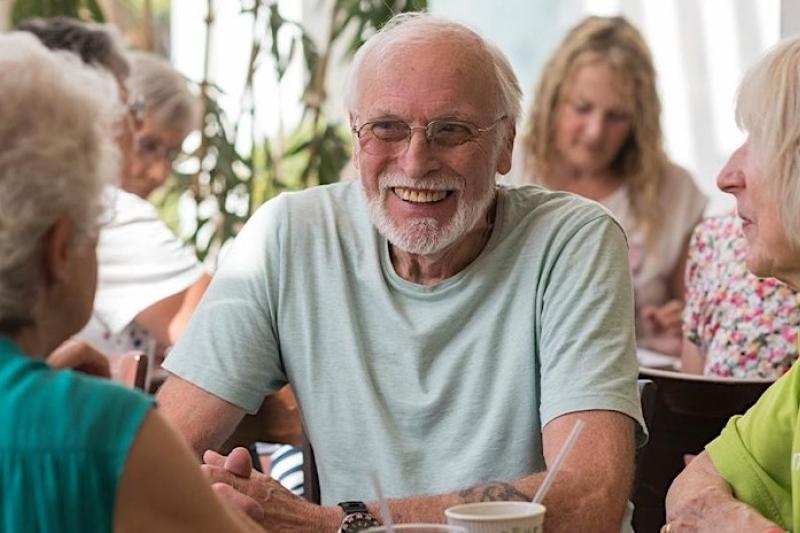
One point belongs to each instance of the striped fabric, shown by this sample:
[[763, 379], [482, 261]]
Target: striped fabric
[[287, 468]]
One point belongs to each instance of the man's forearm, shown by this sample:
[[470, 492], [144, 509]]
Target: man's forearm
[[589, 494], [430, 509], [202, 419], [573, 503]]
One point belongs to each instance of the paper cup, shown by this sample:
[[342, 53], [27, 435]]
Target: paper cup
[[497, 517], [417, 528]]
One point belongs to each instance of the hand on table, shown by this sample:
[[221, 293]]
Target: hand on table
[[667, 317], [263, 498], [81, 357]]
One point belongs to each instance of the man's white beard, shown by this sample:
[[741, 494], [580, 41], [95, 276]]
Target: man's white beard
[[426, 236]]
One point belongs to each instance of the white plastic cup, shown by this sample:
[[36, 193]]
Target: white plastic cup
[[417, 528], [498, 517]]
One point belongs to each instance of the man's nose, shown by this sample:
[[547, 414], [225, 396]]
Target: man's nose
[[420, 156]]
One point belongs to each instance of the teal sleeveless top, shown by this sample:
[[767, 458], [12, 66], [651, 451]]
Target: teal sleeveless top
[[64, 440]]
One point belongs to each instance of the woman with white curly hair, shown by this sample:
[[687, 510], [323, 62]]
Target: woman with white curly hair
[[76, 453], [748, 478]]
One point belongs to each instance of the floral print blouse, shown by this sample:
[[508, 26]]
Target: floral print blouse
[[747, 326]]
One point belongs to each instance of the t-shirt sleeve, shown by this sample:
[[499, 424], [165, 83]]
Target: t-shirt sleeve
[[140, 262], [587, 352], [682, 205], [231, 346], [754, 451]]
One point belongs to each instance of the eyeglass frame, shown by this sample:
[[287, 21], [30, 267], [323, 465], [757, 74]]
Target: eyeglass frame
[[427, 128], [159, 151]]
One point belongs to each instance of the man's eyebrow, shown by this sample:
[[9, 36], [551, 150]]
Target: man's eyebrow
[[382, 115], [454, 117]]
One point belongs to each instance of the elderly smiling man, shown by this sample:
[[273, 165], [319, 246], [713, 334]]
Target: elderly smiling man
[[439, 330]]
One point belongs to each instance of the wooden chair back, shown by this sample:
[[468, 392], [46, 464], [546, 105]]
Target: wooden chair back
[[686, 412], [130, 369]]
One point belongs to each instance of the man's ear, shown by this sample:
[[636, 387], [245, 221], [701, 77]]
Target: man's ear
[[356, 147], [504, 161], [57, 250]]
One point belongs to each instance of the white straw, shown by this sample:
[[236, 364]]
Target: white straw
[[552, 471], [384, 505]]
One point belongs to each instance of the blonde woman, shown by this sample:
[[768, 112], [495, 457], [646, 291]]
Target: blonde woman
[[748, 478], [594, 130]]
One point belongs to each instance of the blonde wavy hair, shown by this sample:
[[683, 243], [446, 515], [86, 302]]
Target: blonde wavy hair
[[768, 109], [641, 162], [57, 153]]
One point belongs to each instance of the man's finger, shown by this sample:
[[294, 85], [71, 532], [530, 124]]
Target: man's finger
[[210, 457], [239, 462], [240, 501], [217, 474]]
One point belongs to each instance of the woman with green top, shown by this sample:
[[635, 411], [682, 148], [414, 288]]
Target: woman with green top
[[748, 478], [76, 453]]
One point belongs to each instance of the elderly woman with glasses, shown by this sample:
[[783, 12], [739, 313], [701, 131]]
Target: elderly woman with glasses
[[593, 130], [149, 282], [748, 478], [168, 112], [76, 453]]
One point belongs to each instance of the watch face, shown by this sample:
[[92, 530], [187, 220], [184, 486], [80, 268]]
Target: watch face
[[363, 523], [358, 521]]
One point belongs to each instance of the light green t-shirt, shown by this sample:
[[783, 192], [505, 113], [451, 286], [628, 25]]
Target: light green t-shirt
[[758, 453], [437, 388]]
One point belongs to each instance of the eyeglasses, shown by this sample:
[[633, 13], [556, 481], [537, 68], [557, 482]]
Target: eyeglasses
[[391, 137]]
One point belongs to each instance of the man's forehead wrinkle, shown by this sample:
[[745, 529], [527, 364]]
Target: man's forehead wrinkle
[[459, 68]]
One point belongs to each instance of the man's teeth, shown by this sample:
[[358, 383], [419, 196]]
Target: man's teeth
[[421, 197]]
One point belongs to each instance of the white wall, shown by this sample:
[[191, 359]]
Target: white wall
[[790, 18]]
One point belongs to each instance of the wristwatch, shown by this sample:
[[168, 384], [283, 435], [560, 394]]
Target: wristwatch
[[356, 517]]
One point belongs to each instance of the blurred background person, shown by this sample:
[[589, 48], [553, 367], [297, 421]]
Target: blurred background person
[[169, 112], [594, 130], [149, 282], [748, 478], [76, 453], [735, 323]]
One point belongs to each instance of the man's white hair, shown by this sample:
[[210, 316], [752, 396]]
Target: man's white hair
[[56, 152], [417, 27]]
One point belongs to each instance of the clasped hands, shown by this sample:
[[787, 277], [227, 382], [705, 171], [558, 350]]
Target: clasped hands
[[262, 498]]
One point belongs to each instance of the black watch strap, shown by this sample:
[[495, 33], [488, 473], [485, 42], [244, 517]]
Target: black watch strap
[[353, 507], [356, 517]]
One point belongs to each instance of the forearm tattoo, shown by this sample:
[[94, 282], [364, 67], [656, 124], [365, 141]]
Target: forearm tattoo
[[493, 492]]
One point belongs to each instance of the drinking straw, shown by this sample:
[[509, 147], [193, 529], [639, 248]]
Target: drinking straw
[[382, 503], [551, 472]]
